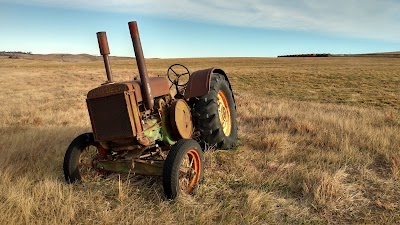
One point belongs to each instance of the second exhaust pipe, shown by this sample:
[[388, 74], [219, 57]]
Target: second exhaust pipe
[[137, 47]]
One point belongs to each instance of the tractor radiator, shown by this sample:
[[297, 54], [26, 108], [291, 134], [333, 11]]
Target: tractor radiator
[[111, 117]]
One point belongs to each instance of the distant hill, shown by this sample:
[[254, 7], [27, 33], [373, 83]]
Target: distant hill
[[56, 57]]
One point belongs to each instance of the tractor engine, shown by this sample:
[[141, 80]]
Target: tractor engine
[[119, 117]]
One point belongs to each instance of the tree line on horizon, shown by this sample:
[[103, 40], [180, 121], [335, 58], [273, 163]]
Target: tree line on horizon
[[15, 52]]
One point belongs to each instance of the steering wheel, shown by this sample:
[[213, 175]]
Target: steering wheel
[[177, 75]]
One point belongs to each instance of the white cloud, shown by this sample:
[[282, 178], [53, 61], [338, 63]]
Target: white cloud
[[376, 19]]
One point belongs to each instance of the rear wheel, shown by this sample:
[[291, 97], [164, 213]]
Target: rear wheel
[[214, 114], [183, 168], [80, 159]]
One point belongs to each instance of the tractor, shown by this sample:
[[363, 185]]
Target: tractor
[[140, 128]]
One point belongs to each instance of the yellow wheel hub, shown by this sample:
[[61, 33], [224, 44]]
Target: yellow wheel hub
[[224, 113]]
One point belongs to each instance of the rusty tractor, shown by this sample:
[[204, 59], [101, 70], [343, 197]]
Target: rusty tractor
[[140, 128]]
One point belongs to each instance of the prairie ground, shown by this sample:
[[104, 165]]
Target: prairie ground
[[319, 143]]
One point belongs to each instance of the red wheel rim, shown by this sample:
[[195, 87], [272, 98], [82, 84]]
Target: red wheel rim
[[190, 171]]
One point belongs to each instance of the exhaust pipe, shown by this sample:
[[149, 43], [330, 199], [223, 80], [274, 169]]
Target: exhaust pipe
[[105, 51], [137, 47]]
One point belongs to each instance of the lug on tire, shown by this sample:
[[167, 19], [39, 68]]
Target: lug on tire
[[214, 114], [183, 168], [80, 159]]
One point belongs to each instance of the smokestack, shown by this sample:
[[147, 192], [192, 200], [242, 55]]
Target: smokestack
[[105, 51], [137, 47]]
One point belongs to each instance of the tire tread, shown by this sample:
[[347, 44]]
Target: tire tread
[[206, 107]]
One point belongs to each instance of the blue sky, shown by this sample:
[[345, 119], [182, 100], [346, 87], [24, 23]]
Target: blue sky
[[202, 28]]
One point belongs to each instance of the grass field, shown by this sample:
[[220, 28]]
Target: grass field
[[319, 143]]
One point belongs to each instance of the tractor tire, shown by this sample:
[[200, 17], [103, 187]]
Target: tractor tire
[[183, 168], [214, 114], [79, 158]]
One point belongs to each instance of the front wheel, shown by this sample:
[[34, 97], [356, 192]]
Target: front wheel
[[183, 168], [80, 158]]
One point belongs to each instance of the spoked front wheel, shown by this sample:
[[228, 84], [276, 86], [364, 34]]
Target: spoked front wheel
[[80, 159], [183, 168]]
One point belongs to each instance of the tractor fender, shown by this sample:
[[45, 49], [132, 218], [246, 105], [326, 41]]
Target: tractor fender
[[199, 82]]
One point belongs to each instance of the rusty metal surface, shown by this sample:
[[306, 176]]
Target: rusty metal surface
[[142, 167], [135, 111], [150, 168], [159, 85], [181, 119], [109, 89], [199, 82], [111, 117], [105, 51], [103, 43], [137, 46], [108, 112], [143, 140]]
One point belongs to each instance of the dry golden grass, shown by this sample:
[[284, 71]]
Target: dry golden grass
[[319, 143]]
